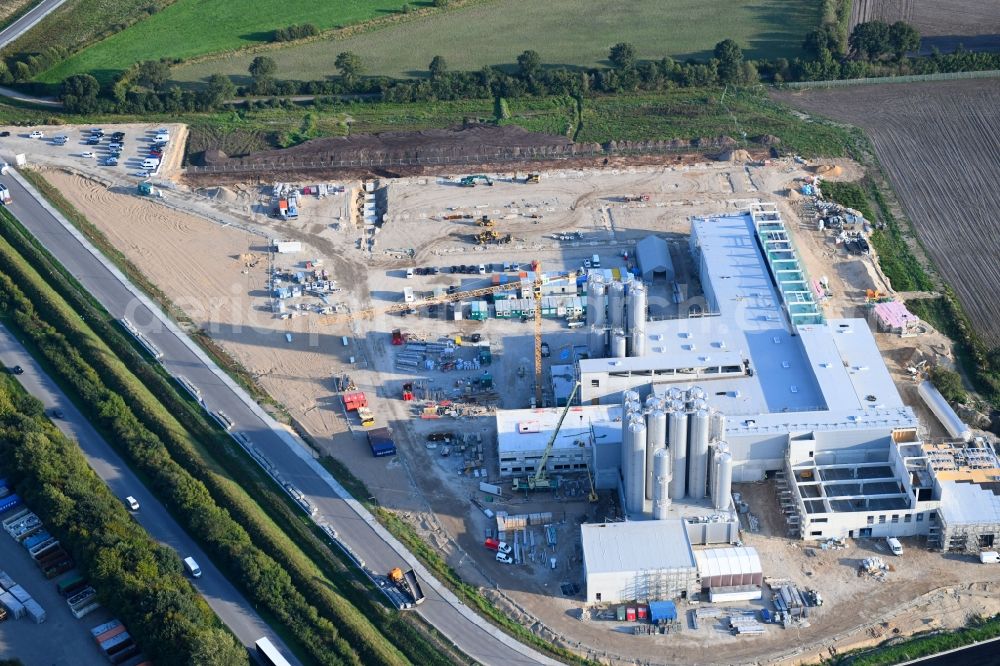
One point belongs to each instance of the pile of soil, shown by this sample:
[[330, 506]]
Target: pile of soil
[[472, 142], [829, 171], [734, 156]]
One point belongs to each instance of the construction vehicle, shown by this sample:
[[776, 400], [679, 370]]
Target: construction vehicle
[[488, 236], [367, 417], [540, 479], [408, 583], [532, 178], [635, 198], [470, 181], [485, 221]]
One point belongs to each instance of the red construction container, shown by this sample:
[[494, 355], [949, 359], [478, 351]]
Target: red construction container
[[407, 392], [398, 337], [642, 611], [630, 614], [353, 401]]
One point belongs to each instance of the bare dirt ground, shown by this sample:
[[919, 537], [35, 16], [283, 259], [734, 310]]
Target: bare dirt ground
[[219, 239], [938, 142], [943, 23]]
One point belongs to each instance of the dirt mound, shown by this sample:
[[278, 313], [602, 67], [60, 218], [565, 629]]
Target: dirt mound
[[793, 194], [468, 142], [829, 171], [767, 140], [735, 156]]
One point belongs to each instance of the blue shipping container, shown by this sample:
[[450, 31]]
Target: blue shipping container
[[380, 441], [9, 502]]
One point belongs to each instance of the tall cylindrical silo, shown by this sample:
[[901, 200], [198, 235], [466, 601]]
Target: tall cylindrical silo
[[696, 393], [653, 401], [630, 396], [656, 439], [596, 288], [723, 491], [678, 451], [635, 482], [661, 484], [626, 460], [616, 305], [698, 454], [597, 343], [637, 341], [718, 430], [618, 343], [674, 394], [637, 297]]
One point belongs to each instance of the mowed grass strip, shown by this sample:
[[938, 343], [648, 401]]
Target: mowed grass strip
[[190, 28], [570, 32]]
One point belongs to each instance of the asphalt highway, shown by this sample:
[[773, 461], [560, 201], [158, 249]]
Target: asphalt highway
[[227, 602], [181, 357], [26, 22]]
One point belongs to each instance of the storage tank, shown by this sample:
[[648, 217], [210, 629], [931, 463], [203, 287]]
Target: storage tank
[[678, 451], [695, 393], [637, 297], [654, 401], [723, 489], [618, 343], [698, 425], [718, 430], [616, 305], [630, 396], [596, 288], [637, 346], [943, 411], [635, 481], [661, 484], [656, 439], [597, 343], [674, 394]]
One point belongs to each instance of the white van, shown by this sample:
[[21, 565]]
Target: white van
[[595, 261], [150, 163], [192, 567], [894, 546], [162, 136]]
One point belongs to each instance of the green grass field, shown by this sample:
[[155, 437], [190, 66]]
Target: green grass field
[[572, 32], [191, 28]]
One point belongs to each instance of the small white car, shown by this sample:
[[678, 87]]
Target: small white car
[[482, 269], [504, 558], [87, 155], [141, 174], [132, 503], [62, 138], [37, 135]]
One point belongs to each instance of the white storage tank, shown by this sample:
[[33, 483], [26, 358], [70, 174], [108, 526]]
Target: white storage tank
[[637, 342], [661, 484], [656, 439], [616, 305], [677, 437], [637, 299], [595, 301], [698, 426], [723, 489], [635, 482], [597, 342], [618, 343], [943, 411]]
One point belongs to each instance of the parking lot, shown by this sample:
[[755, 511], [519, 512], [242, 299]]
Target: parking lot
[[61, 640]]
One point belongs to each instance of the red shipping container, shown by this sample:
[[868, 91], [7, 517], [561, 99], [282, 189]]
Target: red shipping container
[[642, 613], [630, 614], [353, 401]]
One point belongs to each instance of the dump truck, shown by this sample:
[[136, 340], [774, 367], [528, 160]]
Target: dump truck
[[367, 416], [485, 221], [532, 178], [407, 582], [635, 198]]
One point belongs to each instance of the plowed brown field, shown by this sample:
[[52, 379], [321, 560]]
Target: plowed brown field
[[940, 144]]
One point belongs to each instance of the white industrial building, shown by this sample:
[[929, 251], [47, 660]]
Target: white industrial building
[[754, 382]]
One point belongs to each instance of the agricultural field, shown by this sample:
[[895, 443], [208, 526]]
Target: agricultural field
[[940, 144], [190, 28], [943, 24], [566, 32]]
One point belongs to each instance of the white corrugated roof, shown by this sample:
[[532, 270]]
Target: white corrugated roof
[[728, 561], [636, 546]]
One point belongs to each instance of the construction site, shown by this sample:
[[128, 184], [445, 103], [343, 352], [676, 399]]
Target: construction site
[[662, 405]]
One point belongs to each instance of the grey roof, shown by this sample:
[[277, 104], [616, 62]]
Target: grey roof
[[636, 546], [653, 256]]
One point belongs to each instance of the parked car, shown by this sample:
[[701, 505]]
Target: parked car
[[5, 133], [546, 352], [93, 141], [37, 135], [505, 558], [111, 161], [87, 155]]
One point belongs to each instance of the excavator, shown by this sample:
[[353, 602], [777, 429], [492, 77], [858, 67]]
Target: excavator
[[485, 221], [470, 181]]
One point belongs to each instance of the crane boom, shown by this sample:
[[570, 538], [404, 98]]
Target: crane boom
[[540, 470]]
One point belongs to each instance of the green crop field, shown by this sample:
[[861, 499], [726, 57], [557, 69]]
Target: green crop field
[[189, 28], [572, 32]]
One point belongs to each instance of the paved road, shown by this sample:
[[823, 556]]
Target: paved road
[[354, 524], [28, 21], [225, 600]]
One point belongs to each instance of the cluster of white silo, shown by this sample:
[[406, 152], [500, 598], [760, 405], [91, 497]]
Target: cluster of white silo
[[673, 447], [616, 315]]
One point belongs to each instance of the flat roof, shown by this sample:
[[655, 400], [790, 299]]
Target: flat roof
[[636, 546], [526, 430]]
